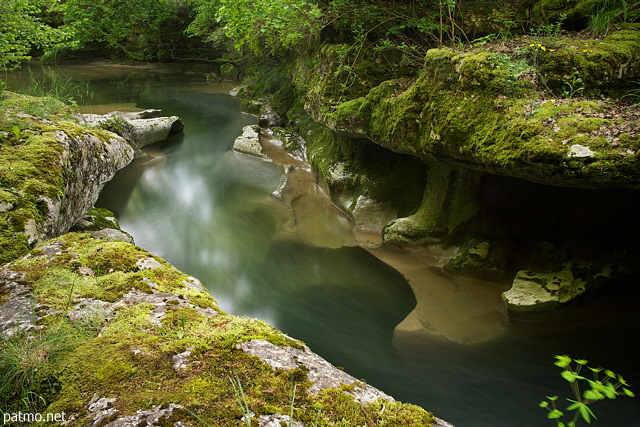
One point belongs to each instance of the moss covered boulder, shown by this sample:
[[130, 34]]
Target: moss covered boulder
[[52, 170], [515, 114], [126, 339]]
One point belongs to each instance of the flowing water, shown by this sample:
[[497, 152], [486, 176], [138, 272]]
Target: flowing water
[[210, 212]]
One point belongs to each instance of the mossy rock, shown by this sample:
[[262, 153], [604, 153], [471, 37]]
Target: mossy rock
[[144, 341], [43, 152], [479, 110]]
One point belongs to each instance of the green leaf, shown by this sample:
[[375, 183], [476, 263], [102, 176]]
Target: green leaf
[[593, 395], [583, 409], [610, 391], [544, 404], [610, 373], [555, 414], [622, 381], [571, 376], [596, 370], [562, 361], [628, 392], [581, 361], [552, 398]]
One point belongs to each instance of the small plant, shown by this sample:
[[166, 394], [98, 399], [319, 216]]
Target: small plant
[[534, 51], [633, 94], [573, 87], [16, 132], [291, 402], [183, 332], [242, 400], [604, 385], [26, 367], [551, 29]]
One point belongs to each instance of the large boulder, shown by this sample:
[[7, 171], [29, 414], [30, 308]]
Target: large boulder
[[249, 142], [532, 291], [138, 128], [137, 342], [51, 171]]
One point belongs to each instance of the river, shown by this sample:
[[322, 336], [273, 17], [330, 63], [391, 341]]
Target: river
[[207, 211]]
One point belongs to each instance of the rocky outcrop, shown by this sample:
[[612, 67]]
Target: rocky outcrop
[[509, 160], [139, 128], [89, 162], [473, 109], [145, 343], [53, 172]]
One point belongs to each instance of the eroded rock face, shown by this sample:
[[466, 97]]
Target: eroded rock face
[[139, 129], [321, 373], [88, 163]]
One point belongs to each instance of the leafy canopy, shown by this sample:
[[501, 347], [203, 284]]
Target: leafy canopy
[[257, 25], [21, 30], [131, 26]]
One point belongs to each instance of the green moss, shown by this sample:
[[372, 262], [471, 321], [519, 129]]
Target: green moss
[[102, 218], [477, 108], [30, 168], [603, 65], [132, 357]]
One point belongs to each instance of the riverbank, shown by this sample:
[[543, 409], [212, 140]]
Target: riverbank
[[125, 338]]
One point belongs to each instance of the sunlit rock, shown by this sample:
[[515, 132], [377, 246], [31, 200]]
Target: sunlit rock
[[249, 142], [532, 291], [139, 129]]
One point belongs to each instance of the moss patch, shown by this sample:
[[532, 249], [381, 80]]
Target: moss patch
[[146, 355], [30, 165], [476, 109]]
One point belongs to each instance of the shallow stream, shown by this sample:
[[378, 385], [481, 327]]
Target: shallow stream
[[209, 212]]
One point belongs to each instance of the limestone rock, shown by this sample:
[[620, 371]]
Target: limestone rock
[[269, 117], [89, 163], [321, 373], [370, 217], [140, 129], [532, 291], [249, 142], [102, 223], [580, 152]]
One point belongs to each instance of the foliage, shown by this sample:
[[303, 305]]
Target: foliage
[[573, 87], [141, 29], [605, 15], [27, 363], [268, 24], [634, 94], [21, 30], [604, 385], [550, 29]]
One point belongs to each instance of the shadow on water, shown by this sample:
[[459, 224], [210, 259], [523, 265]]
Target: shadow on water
[[202, 208]]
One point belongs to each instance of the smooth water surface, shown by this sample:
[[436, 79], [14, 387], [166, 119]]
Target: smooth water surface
[[208, 212]]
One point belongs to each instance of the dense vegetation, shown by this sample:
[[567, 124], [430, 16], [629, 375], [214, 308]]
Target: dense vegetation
[[172, 30]]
